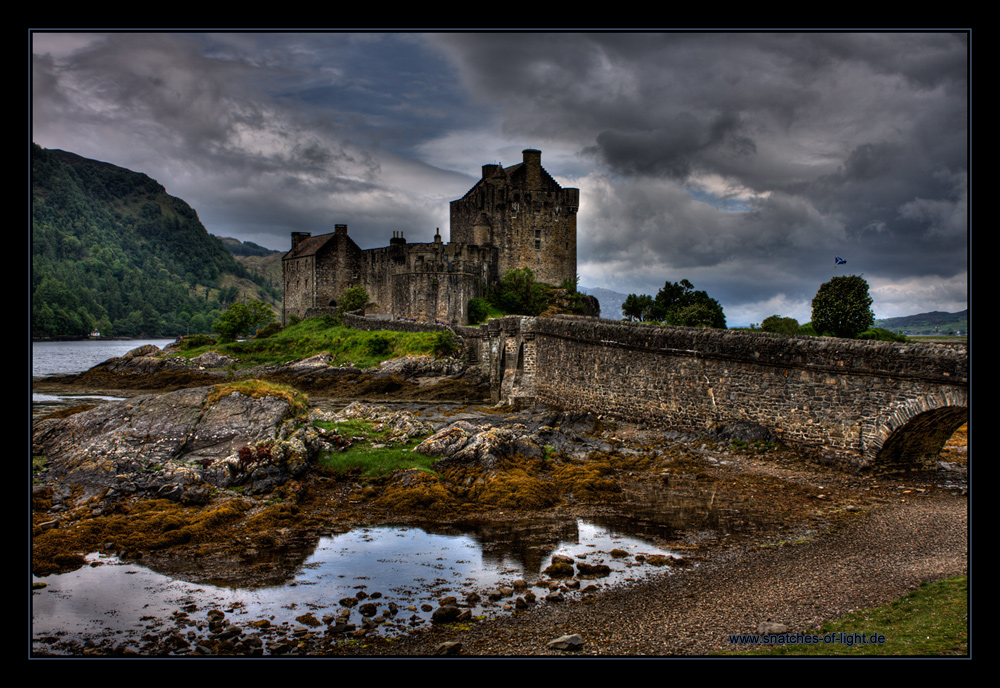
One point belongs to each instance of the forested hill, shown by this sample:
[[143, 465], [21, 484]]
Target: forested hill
[[112, 251]]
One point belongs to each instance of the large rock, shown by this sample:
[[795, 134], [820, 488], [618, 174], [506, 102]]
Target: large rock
[[464, 443], [142, 368], [166, 443]]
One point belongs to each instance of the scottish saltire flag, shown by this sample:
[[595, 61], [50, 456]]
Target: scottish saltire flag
[[839, 261]]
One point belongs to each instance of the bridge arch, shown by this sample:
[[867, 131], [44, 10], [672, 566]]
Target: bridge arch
[[913, 435]]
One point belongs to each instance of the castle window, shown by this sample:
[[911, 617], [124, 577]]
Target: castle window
[[538, 244]]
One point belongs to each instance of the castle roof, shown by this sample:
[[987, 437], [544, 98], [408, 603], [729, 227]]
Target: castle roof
[[311, 245], [520, 174]]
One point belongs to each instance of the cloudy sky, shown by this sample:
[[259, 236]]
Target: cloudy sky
[[742, 162]]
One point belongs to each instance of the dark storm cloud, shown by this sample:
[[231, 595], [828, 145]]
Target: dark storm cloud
[[750, 159], [741, 161], [264, 134]]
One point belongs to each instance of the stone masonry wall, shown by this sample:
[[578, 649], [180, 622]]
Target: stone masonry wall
[[841, 398], [376, 324]]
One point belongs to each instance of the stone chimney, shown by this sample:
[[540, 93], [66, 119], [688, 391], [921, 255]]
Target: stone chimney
[[533, 167], [298, 238], [490, 170]]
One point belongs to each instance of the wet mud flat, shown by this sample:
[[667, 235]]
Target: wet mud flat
[[333, 579]]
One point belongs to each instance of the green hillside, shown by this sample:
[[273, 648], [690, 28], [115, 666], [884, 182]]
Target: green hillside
[[935, 322], [112, 251]]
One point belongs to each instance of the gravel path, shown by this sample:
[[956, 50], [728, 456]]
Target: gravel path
[[890, 550]]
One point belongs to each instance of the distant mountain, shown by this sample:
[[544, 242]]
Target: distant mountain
[[111, 250], [245, 248], [611, 301], [935, 322]]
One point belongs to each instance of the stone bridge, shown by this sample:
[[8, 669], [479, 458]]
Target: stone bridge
[[870, 405]]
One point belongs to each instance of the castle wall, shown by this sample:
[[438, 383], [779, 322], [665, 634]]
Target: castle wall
[[339, 266], [299, 285], [430, 281]]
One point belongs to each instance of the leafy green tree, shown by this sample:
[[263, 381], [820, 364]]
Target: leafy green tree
[[780, 325], [638, 307], [242, 319], [354, 298], [678, 303], [520, 294], [479, 310], [842, 307]]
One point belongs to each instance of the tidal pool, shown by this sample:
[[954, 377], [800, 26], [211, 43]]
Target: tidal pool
[[111, 602]]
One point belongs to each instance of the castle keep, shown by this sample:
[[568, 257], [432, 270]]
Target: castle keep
[[514, 217]]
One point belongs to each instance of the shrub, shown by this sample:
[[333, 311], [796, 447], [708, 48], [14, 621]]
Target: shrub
[[780, 325], [520, 294], [354, 298], [379, 345], [195, 341], [882, 335], [268, 330], [445, 343], [479, 310]]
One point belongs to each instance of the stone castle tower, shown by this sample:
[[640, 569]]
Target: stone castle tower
[[524, 212], [514, 217]]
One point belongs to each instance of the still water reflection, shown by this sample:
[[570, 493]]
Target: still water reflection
[[407, 566]]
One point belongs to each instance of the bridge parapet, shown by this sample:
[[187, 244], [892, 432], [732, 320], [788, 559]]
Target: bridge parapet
[[863, 403]]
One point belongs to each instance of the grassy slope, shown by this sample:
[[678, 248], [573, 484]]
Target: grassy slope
[[319, 335]]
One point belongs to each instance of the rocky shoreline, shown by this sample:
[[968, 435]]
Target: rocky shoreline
[[148, 369], [221, 474]]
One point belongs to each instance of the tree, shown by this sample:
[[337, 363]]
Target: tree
[[354, 298], [678, 303], [637, 307], [242, 319], [780, 325], [520, 294], [479, 311], [842, 307]]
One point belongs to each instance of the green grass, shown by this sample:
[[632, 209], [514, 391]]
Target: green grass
[[323, 335], [353, 428], [370, 461], [931, 621], [364, 457]]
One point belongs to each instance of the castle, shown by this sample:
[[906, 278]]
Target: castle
[[514, 217]]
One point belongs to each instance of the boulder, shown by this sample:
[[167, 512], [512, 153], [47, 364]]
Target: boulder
[[566, 642], [170, 445], [483, 447]]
